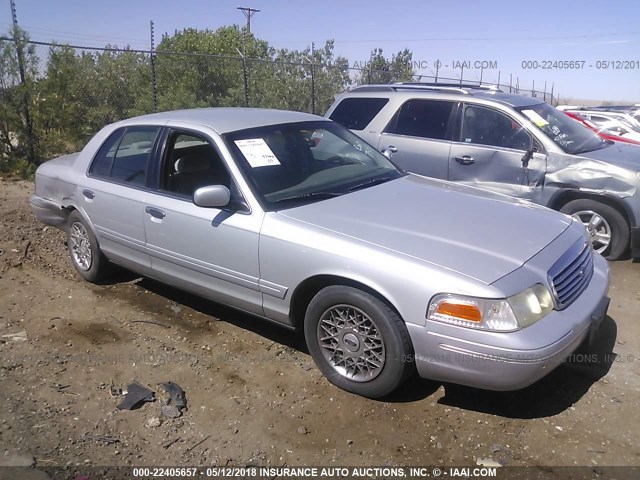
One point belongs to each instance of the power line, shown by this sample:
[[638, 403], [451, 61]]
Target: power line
[[468, 39]]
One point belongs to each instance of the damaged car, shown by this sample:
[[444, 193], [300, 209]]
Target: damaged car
[[512, 144], [296, 220]]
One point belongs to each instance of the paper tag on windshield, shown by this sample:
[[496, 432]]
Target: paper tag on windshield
[[535, 118], [257, 152]]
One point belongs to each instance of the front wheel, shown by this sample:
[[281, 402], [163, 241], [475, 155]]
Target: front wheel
[[358, 342], [607, 228]]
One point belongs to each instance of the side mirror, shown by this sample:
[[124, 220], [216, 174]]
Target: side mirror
[[389, 151], [213, 196], [528, 155]]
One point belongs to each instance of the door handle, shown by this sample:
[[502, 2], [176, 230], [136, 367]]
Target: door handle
[[155, 212], [88, 194], [465, 160]]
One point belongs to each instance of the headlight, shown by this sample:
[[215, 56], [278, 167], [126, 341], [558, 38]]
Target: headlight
[[513, 313]]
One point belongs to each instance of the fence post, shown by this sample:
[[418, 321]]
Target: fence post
[[313, 89], [245, 80], [154, 86], [313, 79], [26, 114]]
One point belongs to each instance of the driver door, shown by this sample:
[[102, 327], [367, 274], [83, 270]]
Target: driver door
[[489, 151]]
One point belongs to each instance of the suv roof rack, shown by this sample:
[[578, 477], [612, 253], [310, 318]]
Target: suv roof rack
[[472, 86], [445, 87]]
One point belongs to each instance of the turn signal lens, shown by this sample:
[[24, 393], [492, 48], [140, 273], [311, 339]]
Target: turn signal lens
[[463, 311]]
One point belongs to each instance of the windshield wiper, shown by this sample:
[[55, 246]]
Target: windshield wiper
[[370, 183], [310, 195]]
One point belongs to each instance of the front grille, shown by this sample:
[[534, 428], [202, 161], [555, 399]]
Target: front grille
[[570, 275]]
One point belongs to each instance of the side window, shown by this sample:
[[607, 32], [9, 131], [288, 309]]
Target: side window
[[191, 162], [423, 118], [485, 126], [357, 113], [598, 119], [125, 154], [101, 166]]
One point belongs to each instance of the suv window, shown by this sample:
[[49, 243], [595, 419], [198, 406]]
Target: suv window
[[423, 118], [191, 162], [357, 113], [486, 126], [125, 154]]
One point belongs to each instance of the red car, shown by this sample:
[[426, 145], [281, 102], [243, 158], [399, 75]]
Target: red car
[[600, 132]]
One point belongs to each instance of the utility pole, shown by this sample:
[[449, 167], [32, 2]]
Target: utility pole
[[248, 13], [26, 116]]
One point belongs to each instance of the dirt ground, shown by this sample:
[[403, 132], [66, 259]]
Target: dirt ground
[[254, 395]]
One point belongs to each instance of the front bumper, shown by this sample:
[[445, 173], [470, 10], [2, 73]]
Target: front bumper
[[635, 242], [47, 212], [511, 360]]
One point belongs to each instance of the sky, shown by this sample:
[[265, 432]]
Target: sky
[[527, 41]]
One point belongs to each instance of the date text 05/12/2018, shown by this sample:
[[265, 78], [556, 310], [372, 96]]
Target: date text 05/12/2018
[[580, 64]]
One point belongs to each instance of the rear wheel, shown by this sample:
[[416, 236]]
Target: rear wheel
[[607, 228], [358, 342], [83, 248]]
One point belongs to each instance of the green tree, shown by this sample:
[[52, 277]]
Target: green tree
[[208, 73], [290, 78], [18, 141], [82, 91], [382, 70]]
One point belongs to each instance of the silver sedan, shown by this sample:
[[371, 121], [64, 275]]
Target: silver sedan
[[296, 220]]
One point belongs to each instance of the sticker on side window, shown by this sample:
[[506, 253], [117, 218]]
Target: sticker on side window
[[257, 152], [535, 118]]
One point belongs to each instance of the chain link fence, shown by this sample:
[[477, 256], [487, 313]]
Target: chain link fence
[[55, 97]]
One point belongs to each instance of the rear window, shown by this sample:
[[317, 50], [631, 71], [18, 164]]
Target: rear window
[[124, 156], [357, 113], [423, 118]]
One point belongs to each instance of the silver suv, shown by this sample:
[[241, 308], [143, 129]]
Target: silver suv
[[511, 144]]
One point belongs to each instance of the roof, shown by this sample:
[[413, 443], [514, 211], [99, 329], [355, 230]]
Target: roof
[[224, 120], [485, 92]]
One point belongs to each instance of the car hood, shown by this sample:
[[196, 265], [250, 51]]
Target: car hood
[[623, 155], [468, 230]]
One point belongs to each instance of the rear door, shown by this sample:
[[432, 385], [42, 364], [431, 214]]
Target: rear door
[[489, 150], [114, 194], [418, 137]]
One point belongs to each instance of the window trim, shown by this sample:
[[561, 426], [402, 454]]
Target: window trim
[[538, 146], [148, 166], [449, 131], [168, 131]]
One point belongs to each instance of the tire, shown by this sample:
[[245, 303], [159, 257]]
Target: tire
[[386, 333], [85, 254], [611, 221]]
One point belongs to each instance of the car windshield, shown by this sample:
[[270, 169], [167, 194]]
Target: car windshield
[[569, 135], [297, 163]]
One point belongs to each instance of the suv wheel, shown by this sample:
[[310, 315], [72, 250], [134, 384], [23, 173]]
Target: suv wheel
[[607, 227], [358, 342]]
